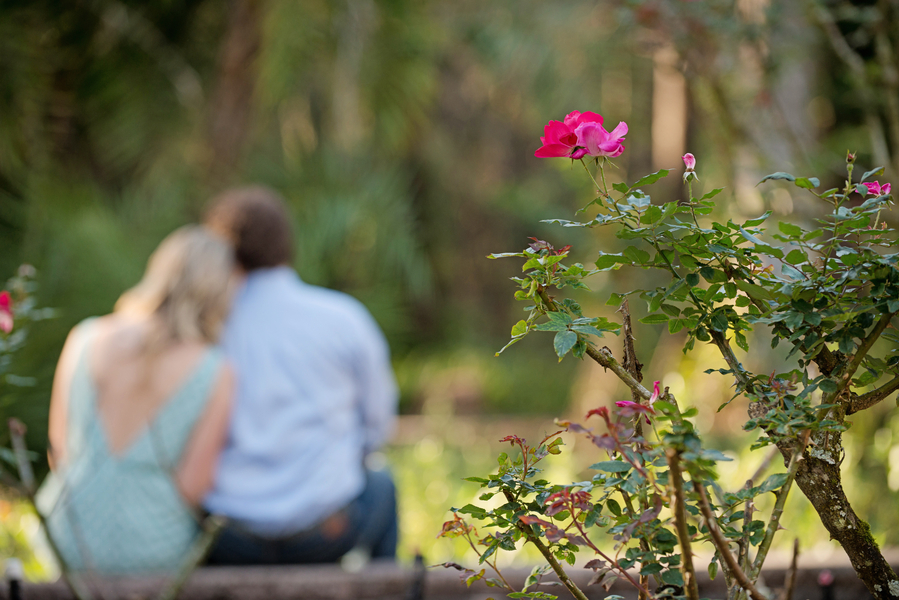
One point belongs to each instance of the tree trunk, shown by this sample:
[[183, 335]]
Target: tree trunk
[[820, 480], [231, 104]]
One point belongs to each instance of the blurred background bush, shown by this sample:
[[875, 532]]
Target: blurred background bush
[[402, 134]]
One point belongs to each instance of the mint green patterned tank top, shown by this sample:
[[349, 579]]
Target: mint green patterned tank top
[[122, 513]]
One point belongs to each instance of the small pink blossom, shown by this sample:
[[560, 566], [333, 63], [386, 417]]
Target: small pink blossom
[[559, 137], [599, 142], [6, 320], [690, 164], [876, 189]]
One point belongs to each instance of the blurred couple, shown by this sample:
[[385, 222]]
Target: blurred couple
[[221, 384]]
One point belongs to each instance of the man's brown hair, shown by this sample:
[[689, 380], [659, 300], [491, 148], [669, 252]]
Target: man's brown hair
[[256, 222]]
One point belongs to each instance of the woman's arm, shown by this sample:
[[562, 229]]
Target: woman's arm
[[197, 469], [59, 397]]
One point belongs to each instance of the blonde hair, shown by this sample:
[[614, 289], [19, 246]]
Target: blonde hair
[[187, 286]]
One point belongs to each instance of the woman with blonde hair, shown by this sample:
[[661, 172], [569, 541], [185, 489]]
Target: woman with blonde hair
[[139, 413]]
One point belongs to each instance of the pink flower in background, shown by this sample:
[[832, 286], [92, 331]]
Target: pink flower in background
[[689, 161], [599, 142], [559, 137], [6, 321], [877, 189]]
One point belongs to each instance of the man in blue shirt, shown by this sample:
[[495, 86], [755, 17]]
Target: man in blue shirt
[[315, 395]]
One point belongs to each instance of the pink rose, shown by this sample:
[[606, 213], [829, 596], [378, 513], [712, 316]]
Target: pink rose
[[689, 161], [6, 321], [559, 137], [876, 189], [599, 142]]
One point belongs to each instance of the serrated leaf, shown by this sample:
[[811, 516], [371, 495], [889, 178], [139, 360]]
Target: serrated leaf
[[564, 342], [807, 182], [620, 187]]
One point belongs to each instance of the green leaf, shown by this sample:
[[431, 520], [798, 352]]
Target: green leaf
[[692, 279], [564, 342], [673, 577], [750, 237], [789, 229], [796, 257], [654, 319], [611, 466], [778, 175], [719, 321], [636, 255], [608, 261], [711, 194], [872, 172], [754, 291], [620, 187], [675, 325], [650, 179], [793, 320], [774, 482], [828, 386], [713, 569], [520, 328], [807, 183], [613, 507], [757, 220]]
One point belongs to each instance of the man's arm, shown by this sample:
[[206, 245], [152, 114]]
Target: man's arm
[[378, 393]]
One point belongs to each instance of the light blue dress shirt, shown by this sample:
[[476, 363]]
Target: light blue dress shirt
[[315, 394]]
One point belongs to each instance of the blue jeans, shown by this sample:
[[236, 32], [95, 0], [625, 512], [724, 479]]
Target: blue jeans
[[370, 524]]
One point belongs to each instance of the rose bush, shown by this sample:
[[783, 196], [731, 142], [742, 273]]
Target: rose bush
[[829, 292]]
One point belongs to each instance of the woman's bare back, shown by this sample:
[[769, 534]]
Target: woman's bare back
[[132, 384]]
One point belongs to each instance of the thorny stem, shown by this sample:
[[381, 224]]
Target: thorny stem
[[612, 562], [601, 190], [492, 565], [776, 514], [547, 555], [604, 357], [680, 521], [731, 359], [722, 545], [862, 352]]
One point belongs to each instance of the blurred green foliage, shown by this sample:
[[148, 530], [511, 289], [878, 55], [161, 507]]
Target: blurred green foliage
[[402, 134]]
